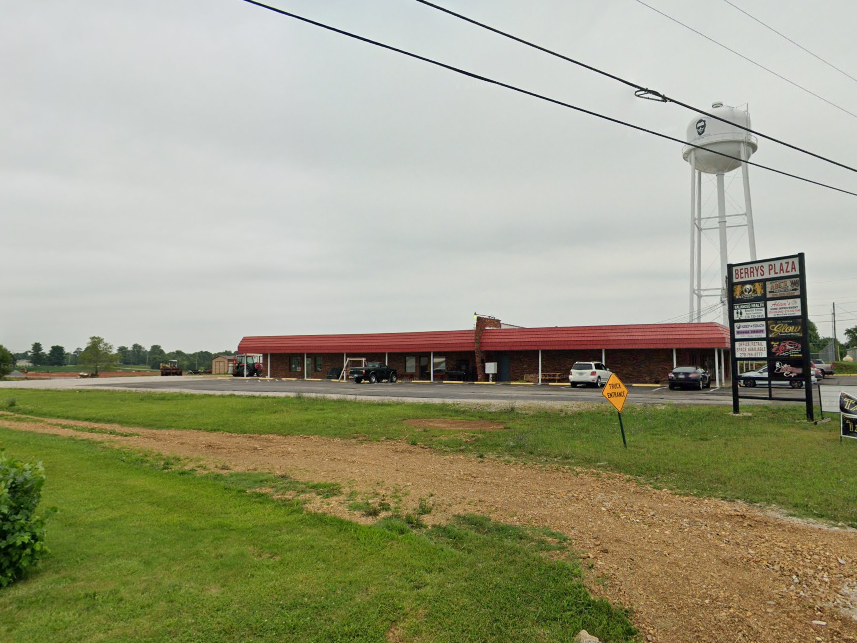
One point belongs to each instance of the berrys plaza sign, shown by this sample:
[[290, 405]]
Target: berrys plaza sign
[[788, 267], [769, 327]]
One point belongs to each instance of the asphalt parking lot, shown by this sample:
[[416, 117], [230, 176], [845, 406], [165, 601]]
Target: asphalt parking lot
[[436, 392], [468, 392]]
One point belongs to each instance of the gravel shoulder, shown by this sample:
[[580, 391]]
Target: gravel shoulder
[[693, 570]]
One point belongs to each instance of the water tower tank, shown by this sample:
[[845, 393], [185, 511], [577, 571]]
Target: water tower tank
[[716, 135]]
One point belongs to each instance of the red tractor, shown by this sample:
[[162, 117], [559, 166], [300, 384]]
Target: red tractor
[[247, 365]]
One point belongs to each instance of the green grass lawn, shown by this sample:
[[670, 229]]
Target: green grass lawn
[[144, 554]]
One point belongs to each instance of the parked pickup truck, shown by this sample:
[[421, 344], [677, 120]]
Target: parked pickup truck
[[373, 372], [820, 365]]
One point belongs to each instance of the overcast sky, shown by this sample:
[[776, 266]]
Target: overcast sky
[[187, 172]]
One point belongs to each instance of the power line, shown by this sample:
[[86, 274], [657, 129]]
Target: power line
[[642, 92], [750, 60], [526, 92], [782, 35]]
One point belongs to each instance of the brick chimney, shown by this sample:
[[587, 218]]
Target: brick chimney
[[482, 322]]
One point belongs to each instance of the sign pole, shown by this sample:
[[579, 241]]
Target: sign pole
[[616, 393]]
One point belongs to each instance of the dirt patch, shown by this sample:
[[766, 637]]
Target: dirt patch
[[693, 570], [455, 425]]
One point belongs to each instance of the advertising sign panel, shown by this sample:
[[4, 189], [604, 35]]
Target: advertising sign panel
[[786, 348], [784, 308], [742, 292], [848, 415], [756, 310], [750, 330], [768, 322], [783, 288], [751, 350], [785, 328]]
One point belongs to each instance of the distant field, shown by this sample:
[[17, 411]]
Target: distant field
[[77, 368], [770, 455], [143, 553]]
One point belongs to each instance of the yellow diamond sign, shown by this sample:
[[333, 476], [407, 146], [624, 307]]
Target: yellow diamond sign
[[615, 392]]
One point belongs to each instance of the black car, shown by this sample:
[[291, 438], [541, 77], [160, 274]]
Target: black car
[[689, 377]]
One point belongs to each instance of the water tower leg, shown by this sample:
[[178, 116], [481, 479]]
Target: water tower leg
[[724, 243], [751, 232], [693, 249], [699, 246]]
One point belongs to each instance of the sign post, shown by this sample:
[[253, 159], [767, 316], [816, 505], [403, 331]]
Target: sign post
[[769, 322], [847, 416], [616, 394]]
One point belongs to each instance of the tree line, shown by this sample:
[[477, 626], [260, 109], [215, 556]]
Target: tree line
[[101, 355]]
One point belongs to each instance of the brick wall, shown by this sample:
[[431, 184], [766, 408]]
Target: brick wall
[[481, 324], [644, 366]]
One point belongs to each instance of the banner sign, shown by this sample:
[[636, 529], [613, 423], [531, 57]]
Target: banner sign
[[783, 288], [749, 311], [848, 415], [768, 322], [750, 350]]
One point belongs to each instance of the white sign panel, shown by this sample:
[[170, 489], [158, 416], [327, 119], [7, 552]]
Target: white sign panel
[[490, 368], [750, 330], [751, 350], [784, 308], [755, 310], [788, 267]]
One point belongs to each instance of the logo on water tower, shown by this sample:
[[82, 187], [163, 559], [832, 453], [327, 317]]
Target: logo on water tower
[[700, 126]]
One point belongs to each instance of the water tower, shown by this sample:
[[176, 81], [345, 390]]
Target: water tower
[[713, 136]]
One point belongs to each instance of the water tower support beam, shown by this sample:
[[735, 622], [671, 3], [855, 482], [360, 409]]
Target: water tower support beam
[[693, 249], [724, 242], [699, 246], [751, 232]]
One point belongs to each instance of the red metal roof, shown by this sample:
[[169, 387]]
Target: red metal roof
[[449, 340], [708, 335]]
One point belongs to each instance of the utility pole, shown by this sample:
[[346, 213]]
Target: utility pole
[[835, 342]]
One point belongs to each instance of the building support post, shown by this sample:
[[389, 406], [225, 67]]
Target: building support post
[[269, 366], [717, 366], [675, 363], [387, 360], [431, 367], [305, 369], [540, 366], [604, 356]]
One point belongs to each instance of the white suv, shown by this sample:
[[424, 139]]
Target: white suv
[[589, 373]]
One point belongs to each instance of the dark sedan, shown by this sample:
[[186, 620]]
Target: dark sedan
[[689, 377]]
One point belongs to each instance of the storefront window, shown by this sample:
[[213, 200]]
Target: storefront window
[[411, 364], [295, 363], [439, 365], [318, 363]]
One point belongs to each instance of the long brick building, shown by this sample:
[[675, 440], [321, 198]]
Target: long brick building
[[638, 353]]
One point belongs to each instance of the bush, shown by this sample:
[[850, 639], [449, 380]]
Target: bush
[[7, 361], [22, 532]]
